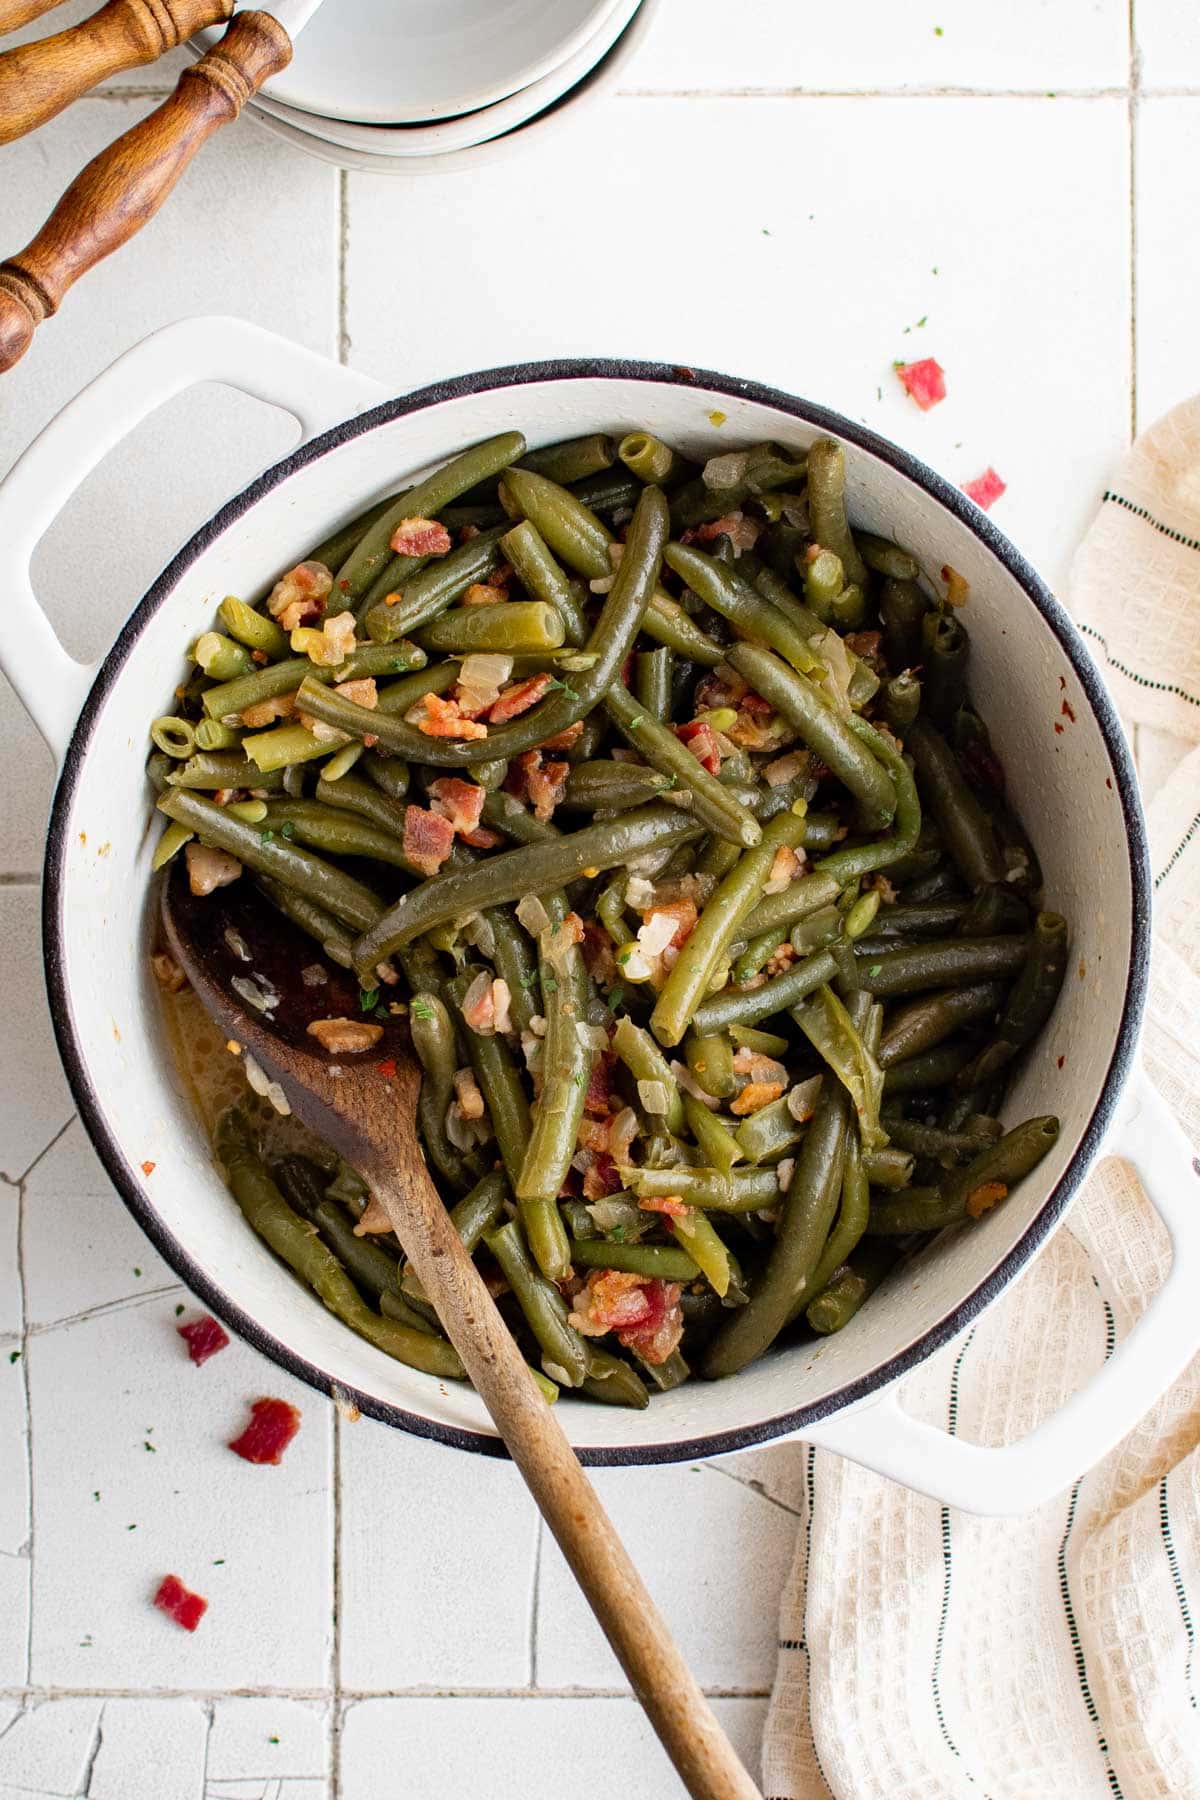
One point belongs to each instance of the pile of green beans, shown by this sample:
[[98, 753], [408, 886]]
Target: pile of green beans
[[720, 979]]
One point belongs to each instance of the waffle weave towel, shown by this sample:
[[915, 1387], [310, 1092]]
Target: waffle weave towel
[[928, 1655]]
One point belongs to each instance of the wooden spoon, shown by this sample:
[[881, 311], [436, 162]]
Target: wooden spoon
[[365, 1106]]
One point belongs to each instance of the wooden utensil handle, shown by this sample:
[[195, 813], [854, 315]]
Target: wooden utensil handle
[[705, 1759], [123, 187], [15, 13], [38, 80]]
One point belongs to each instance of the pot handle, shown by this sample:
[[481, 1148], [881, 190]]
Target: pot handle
[[1016, 1478], [52, 685]]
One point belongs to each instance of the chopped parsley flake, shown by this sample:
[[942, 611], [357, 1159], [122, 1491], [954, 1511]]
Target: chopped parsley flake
[[137, 1271], [368, 999], [874, 968], [615, 998], [266, 837], [617, 1235], [287, 829], [14, 1356], [147, 1445], [549, 984], [179, 1310], [421, 1009]]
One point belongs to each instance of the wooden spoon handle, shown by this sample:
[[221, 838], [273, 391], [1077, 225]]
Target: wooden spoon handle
[[15, 13], [126, 184], [38, 80], [705, 1759]]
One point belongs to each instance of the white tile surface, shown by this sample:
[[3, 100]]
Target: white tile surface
[[48, 1748], [438, 1749], [426, 1532], [268, 1750], [37, 1103], [102, 1389], [723, 1608], [819, 306], [150, 1748], [887, 44], [10, 1274], [14, 1623], [82, 1247], [14, 1487], [1168, 39], [1168, 191]]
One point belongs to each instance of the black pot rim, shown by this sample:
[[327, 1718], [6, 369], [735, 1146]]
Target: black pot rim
[[91, 1108]]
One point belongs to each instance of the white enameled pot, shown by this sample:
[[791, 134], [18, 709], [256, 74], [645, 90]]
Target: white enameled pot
[[1075, 788]]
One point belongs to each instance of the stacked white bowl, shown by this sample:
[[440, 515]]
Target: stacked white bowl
[[419, 87]]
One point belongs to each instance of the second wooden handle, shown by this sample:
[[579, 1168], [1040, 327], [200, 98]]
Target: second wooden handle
[[38, 80], [678, 1710], [123, 187]]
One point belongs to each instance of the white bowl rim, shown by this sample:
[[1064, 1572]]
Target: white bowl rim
[[952, 1324]]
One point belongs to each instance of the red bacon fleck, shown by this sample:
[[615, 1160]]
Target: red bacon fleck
[[148, 1168], [924, 381], [203, 1337], [601, 1178], [273, 1425], [701, 740], [562, 740], [179, 1603], [684, 914], [483, 838], [673, 1205], [518, 698], [387, 1068], [459, 801], [420, 537], [445, 718], [598, 953], [428, 839], [986, 489], [599, 1087]]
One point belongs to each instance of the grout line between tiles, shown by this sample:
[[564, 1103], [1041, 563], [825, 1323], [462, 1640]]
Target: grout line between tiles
[[908, 92], [1135, 72], [343, 256], [40, 1695], [335, 1643], [19, 1181], [535, 1600], [17, 878], [22, 1288]]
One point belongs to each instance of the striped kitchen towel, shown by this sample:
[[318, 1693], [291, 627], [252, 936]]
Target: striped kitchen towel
[[928, 1655]]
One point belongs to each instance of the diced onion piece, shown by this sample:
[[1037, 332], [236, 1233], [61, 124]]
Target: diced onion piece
[[657, 933], [725, 471], [654, 1096], [595, 1037], [802, 1099], [784, 1172], [533, 915], [639, 893]]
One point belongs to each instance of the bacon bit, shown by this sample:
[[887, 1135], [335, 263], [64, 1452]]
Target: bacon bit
[[373, 1220], [645, 1314], [754, 1096], [784, 867], [459, 801], [467, 532], [986, 489], [203, 1337], [958, 588], [428, 839], [685, 915], [673, 1205], [265, 712], [983, 766], [179, 1603], [260, 657], [984, 1197], [226, 796], [466, 1088], [518, 698], [348, 1037], [420, 537], [742, 532], [480, 593], [208, 868], [444, 719], [479, 1006], [167, 972], [701, 740], [601, 1178], [750, 731], [722, 686], [363, 692], [924, 381], [562, 740], [597, 1100], [148, 1168], [300, 594], [369, 740], [273, 1425], [780, 960], [865, 644], [483, 838], [387, 1068], [329, 648], [598, 954], [392, 599], [541, 783]]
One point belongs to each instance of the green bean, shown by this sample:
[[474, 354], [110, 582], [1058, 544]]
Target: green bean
[[372, 556], [888, 1167], [173, 736], [764, 468], [365, 800], [777, 995], [301, 1182], [932, 919], [574, 458], [1003, 1164], [700, 1238], [941, 962], [652, 675], [229, 699], [284, 747], [1030, 1003], [945, 1147], [213, 770], [886, 558], [336, 833], [510, 625], [944, 662], [652, 460], [480, 1209], [331, 889], [220, 658], [711, 1061], [830, 1028], [962, 821], [407, 1312], [436, 1044], [902, 612], [831, 737], [901, 701], [171, 842], [542, 577], [853, 861], [531, 869], [759, 951], [672, 1372], [766, 1043], [713, 1135], [593, 786], [210, 734], [330, 933], [736, 600], [824, 579], [807, 1215], [564, 1352], [429, 592], [566, 1065], [515, 965], [993, 910], [505, 813], [743, 1190], [612, 1380], [252, 628], [646, 1062], [664, 1261], [708, 943], [827, 506], [711, 803], [854, 1211], [368, 1266], [292, 1240], [836, 1305], [928, 1069], [797, 901]]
